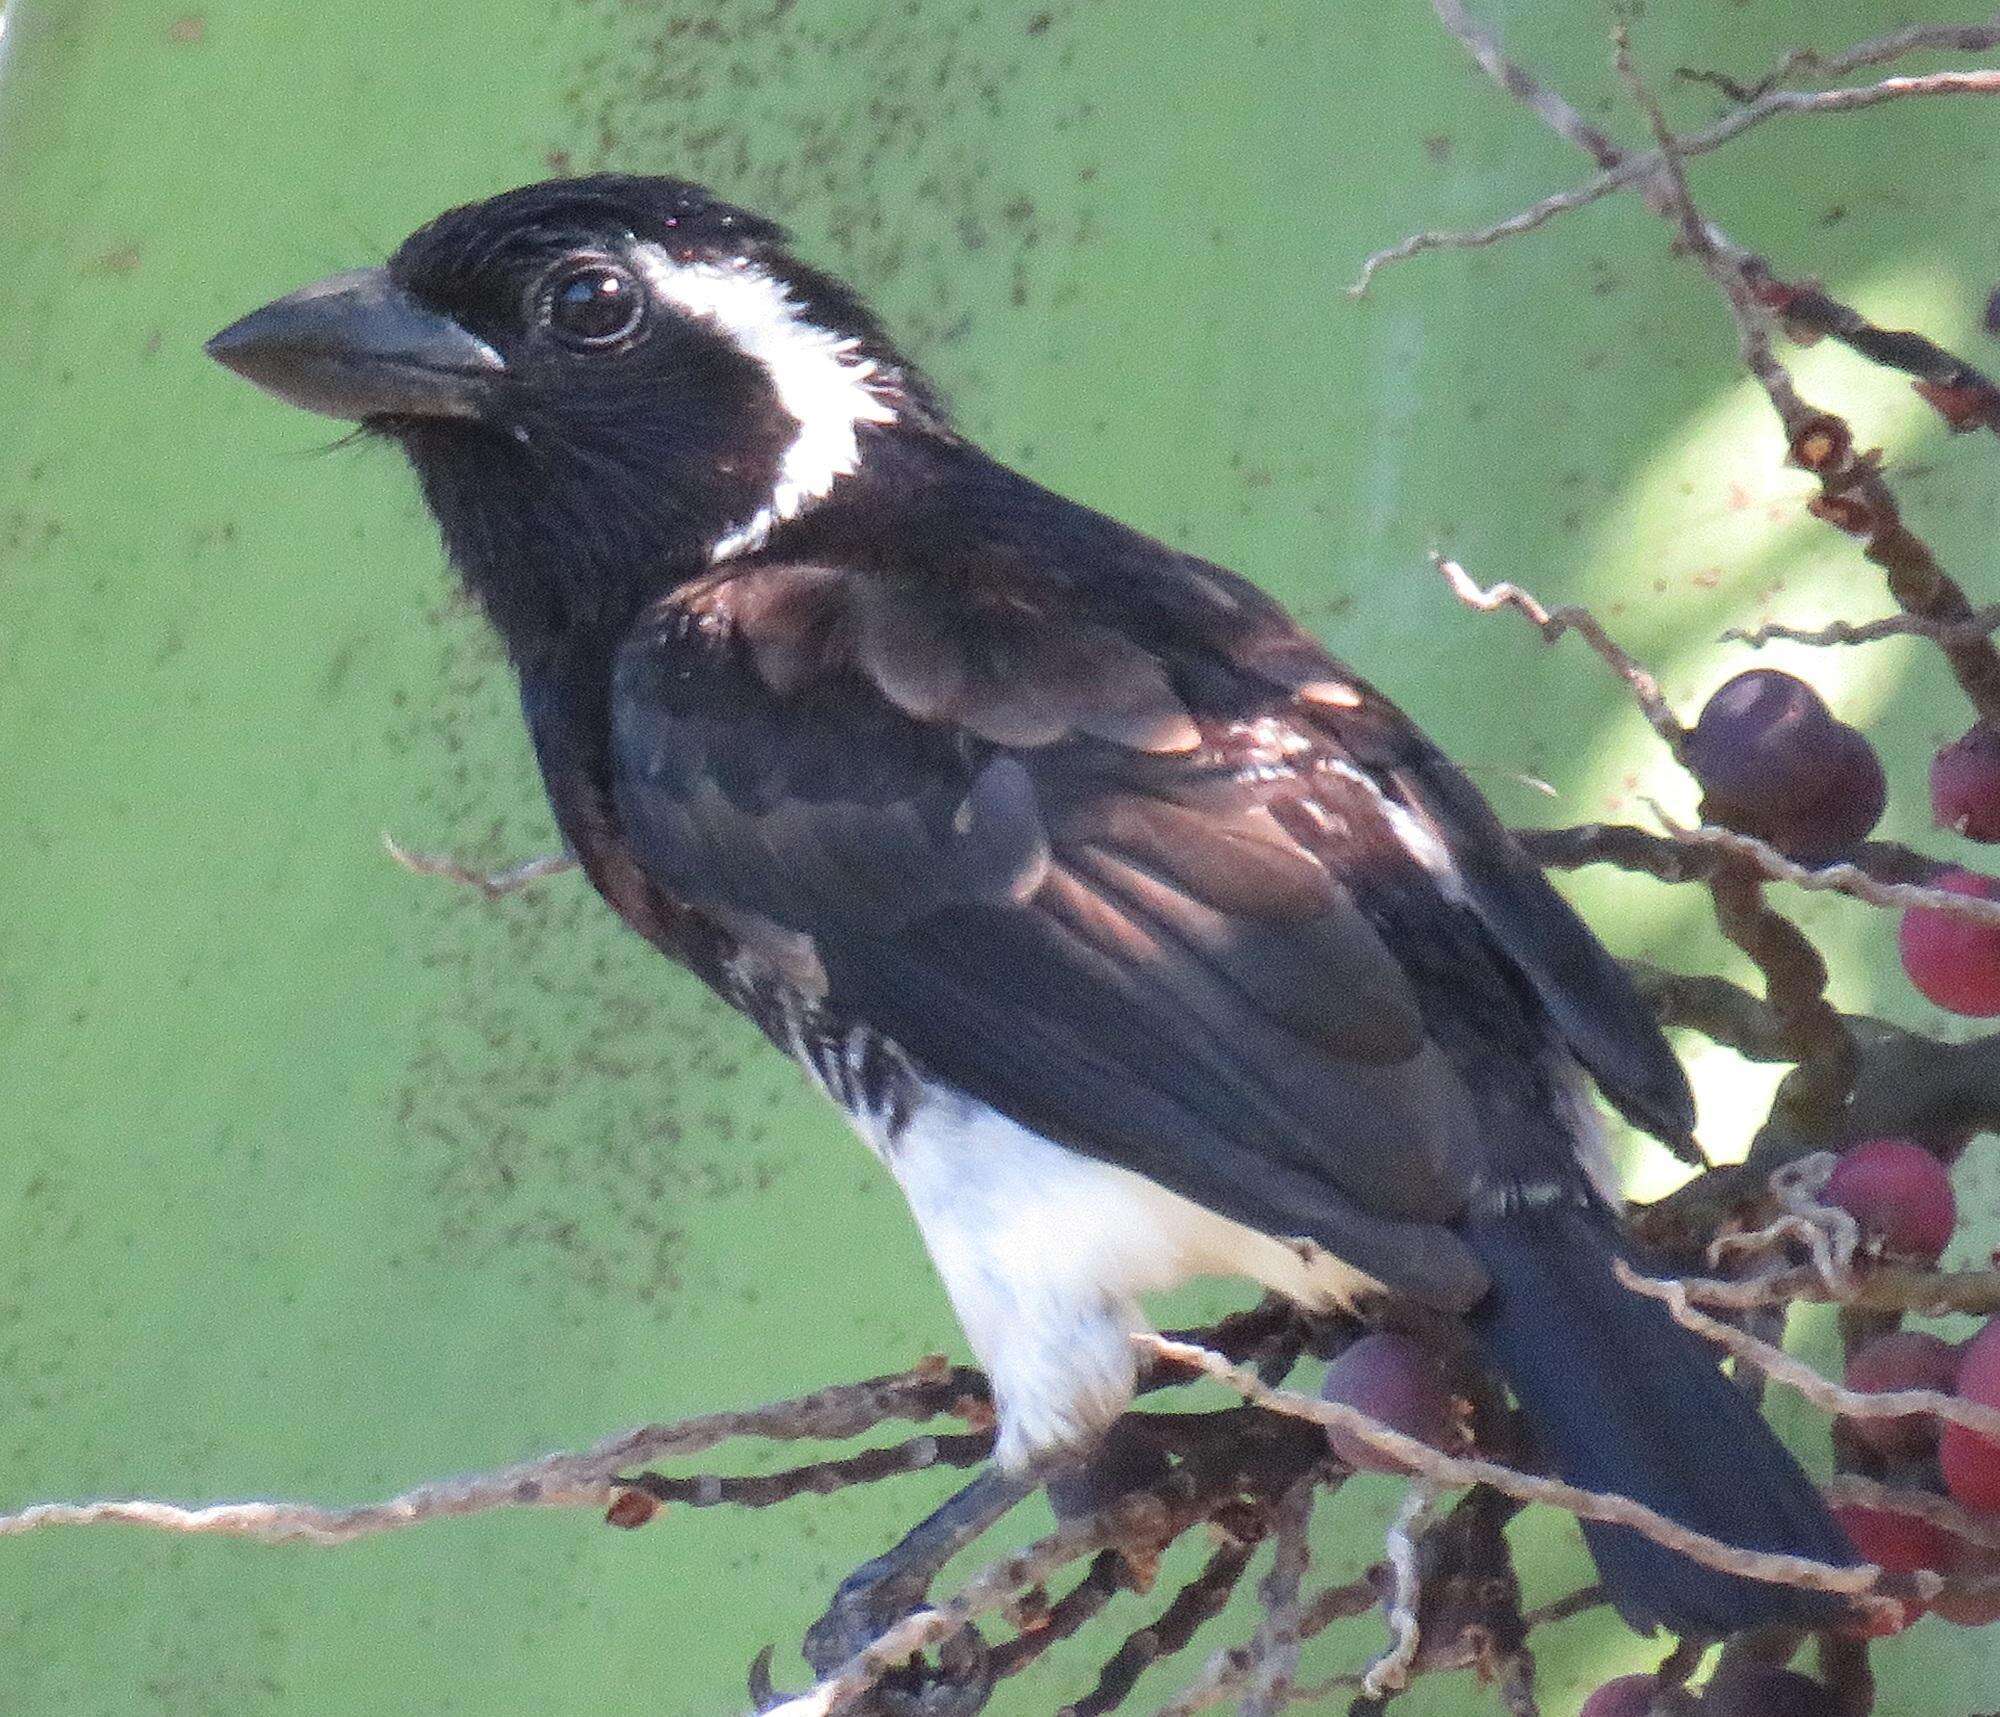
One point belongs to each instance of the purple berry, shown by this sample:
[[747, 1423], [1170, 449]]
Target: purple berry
[[1755, 738], [1628, 1696], [1965, 785], [1845, 814], [1757, 1690], [1774, 763], [1403, 1383]]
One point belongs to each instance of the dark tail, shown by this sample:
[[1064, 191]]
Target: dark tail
[[1621, 1398]]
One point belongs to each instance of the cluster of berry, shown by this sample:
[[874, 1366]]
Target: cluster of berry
[[1901, 1197], [1773, 761]]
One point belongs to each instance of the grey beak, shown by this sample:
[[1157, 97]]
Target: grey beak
[[356, 345]]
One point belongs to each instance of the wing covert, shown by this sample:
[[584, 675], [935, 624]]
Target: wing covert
[[1100, 923]]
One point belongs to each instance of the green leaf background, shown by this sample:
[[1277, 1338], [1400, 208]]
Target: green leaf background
[[318, 1179]]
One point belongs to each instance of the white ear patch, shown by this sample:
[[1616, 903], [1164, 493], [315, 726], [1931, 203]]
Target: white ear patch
[[813, 371]]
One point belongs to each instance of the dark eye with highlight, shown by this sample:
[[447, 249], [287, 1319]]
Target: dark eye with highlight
[[591, 305]]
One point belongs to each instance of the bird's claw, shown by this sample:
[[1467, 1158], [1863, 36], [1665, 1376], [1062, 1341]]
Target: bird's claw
[[959, 1685]]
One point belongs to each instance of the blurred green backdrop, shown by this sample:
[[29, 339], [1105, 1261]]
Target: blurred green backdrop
[[319, 1178]]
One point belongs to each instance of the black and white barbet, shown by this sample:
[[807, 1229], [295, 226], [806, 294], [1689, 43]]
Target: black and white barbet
[[1139, 938]]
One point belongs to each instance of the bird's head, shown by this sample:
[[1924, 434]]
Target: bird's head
[[600, 381]]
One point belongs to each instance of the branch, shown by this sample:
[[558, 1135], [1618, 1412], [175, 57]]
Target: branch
[[1879, 51], [1553, 623], [1779, 1365], [818, 1478], [1390, 1673], [1983, 624], [1050, 1624], [1853, 494], [1721, 1011], [1814, 1032], [988, 1589], [1846, 877], [1830, 1235], [1223, 1676], [1864, 1584], [1981, 1529], [1880, 1288], [1552, 109], [583, 1479], [1638, 169], [1964, 397], [1274, 1648], [1196, 1604]]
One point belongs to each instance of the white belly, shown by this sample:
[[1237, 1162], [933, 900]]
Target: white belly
[[1045, 1253]]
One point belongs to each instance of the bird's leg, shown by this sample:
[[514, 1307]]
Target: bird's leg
[[882, 1592]]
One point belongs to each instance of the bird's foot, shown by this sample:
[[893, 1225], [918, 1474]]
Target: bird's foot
[[881, 1593]]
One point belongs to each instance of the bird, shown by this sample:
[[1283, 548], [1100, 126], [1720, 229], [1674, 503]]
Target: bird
[[1138, 936]]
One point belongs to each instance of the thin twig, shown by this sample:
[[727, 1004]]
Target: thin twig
[[1878, 51], [1554, 111], [1224, 1673], [1859, 1582], [1198, 1602], [819, 1478], [1983, 624], [1845, 877], [1781, 1367], [1853, 1490], [492, 884], [1647, 852], [1880, 1288], [1638, 168], [1553, 623], [1830, 1234], [990, 1588], [1274, 1648], [588, 1478], [1390, 1673]]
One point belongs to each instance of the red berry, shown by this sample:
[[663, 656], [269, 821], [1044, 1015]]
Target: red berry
[[1965, 785], [1628, 1696], [1403, 1383], [1900, 1194], [1953, 960], [1903, 1359], [1902, 1543], [1970, 1462], [1757, 1690], [1973, 1562]]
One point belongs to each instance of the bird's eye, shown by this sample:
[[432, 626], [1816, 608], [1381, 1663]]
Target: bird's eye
[[591, 305]]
